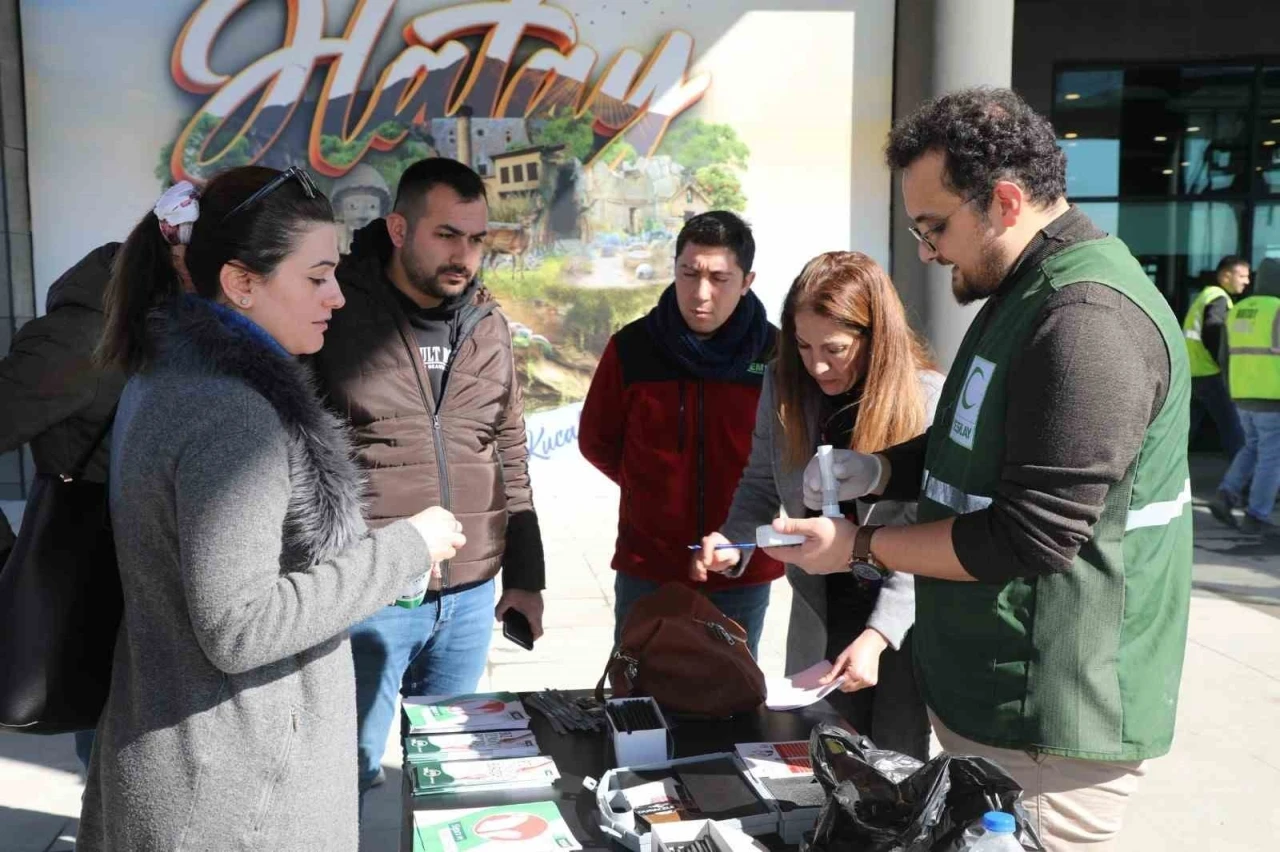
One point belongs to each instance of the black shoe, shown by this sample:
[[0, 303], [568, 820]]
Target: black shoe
[[1220, 508], [1250, 525]]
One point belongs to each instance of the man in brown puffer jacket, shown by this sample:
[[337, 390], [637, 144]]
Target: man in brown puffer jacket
[[420, 361]]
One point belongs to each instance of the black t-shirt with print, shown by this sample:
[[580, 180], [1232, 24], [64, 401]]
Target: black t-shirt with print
[[436, 331]]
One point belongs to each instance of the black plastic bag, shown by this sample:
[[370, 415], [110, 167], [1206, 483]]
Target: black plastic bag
[[884, 801]]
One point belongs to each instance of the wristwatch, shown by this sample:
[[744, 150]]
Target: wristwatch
[[862, 563]]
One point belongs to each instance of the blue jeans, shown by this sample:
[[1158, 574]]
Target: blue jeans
[[438, 648], [1209, 395], [84, 747], [745, 605], [1258, 461]]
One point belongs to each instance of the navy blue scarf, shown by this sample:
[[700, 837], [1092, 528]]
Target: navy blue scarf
[[728, 353], [238, 323]]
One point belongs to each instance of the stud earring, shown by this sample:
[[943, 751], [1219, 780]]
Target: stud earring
[[244, 303]]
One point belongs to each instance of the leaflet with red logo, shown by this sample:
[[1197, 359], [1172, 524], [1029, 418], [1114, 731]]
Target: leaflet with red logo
[[481, 711], [535, 827]]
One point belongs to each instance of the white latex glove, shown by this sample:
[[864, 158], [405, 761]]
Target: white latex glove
[[856, 474]]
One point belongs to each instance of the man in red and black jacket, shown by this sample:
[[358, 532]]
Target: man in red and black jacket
[[669, 418]]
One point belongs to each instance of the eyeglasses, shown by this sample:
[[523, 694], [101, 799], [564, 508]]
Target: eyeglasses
[[293, 172], [926, 236]]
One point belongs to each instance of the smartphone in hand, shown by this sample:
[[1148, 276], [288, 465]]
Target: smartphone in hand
[[517, 628]]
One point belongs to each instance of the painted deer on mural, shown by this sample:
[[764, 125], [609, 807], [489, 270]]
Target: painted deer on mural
[[511, 239]]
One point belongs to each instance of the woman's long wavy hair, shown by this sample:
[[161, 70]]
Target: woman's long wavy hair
[[852, 290]]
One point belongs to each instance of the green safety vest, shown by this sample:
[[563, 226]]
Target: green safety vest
[[1203, 362], [1085, 663], [1253, 348]]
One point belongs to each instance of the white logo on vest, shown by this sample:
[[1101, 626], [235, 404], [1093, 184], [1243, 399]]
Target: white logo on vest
[[964, 426]]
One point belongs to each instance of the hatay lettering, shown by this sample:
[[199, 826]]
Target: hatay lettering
[[436, 75]]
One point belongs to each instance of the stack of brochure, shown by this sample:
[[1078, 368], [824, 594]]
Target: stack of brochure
[[536, 827], [471, 743]]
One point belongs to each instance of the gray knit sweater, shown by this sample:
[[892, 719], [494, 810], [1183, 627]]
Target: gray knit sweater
[[231, 719]]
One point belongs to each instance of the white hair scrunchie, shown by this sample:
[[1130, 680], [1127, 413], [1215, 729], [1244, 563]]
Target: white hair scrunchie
[[177, 210]]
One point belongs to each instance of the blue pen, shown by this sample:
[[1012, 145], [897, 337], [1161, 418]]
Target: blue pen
[[724, 546]]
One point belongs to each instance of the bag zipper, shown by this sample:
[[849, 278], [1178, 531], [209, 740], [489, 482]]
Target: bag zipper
[[721, 632]]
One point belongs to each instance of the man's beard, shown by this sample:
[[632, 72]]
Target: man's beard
[[985, 281], [429, 283]]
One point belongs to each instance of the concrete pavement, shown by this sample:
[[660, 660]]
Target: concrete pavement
[[1215, 790]]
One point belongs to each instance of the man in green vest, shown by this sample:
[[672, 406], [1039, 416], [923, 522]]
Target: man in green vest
[[1202, 328], [1053, 554], [1253, 378]]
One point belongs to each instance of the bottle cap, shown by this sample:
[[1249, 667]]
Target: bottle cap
[[999, 822]]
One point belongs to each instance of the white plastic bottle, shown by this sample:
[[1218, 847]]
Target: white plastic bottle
[[830, 488], [412, 597], [1000, 833]]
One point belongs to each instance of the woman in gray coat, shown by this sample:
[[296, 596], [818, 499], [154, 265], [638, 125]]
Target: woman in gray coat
[[850, 373], [230, 722]]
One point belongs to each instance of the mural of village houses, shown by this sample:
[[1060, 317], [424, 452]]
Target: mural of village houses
[[576, 248]]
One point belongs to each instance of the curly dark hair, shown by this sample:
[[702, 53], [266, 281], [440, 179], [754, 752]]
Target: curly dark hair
[[986, 135]]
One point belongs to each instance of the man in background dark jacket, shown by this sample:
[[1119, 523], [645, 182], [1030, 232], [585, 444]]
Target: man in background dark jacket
[[52, 395]]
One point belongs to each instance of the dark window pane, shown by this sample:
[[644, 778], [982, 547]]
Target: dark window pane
[[1268, 132], [1155, 130], [533, 171], [1178, 244], [1266, 233], [518, 173]]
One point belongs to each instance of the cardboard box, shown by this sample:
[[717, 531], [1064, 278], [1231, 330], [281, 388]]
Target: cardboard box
[[635, 747]]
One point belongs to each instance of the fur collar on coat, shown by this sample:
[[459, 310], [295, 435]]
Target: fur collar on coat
[[324, 514]]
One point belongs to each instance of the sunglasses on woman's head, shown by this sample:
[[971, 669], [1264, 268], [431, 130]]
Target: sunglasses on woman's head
[[293, 172]]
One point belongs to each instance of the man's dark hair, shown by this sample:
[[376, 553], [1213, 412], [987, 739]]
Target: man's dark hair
[[1230, 262], [720, 228], [986, 135], [425, 175]]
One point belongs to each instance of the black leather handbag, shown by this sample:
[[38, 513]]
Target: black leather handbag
[[60, 606]]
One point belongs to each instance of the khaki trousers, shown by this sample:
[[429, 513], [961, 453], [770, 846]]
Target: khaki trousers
[[1073, 804]]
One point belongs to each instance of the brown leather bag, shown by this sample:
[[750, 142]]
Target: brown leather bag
[[681, 650]]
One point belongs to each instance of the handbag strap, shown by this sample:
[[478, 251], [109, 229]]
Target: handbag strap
[[78, 470]]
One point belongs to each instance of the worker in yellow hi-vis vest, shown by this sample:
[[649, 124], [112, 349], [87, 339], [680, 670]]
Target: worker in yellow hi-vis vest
[[1202, 328], [1253, 377]]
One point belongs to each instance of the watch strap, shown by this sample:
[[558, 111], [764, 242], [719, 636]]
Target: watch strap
[[862, 543]]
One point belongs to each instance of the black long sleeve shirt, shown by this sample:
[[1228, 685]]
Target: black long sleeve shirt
[[1093, 375]]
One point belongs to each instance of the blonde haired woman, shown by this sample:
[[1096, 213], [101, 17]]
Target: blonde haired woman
[[850, 372]]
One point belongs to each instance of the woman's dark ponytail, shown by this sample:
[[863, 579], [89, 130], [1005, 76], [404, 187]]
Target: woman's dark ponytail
[[142, 278], [250, 216]]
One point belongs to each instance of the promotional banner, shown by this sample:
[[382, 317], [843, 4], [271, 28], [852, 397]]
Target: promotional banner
[[599, 129]]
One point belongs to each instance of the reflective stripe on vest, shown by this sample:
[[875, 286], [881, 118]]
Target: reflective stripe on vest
[[953, 498], [1159, 514]]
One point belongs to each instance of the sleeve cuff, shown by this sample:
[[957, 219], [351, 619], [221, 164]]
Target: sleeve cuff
[[524, 564]]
